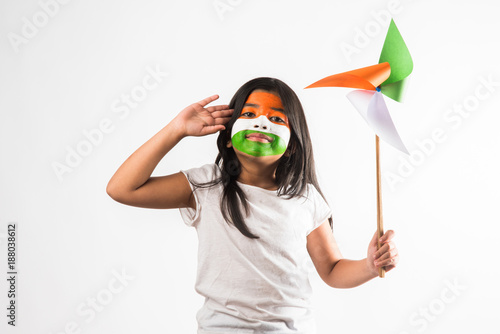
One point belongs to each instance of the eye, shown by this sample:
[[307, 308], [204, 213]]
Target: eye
[[276, 119], [248, 114]]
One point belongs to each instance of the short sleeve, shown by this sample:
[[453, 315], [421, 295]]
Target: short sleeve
[[201, 174], [321, 209]]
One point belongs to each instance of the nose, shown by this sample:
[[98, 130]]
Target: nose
[[260, 123]]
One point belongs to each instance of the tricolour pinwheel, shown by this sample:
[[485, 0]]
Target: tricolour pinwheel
[[388, 77]]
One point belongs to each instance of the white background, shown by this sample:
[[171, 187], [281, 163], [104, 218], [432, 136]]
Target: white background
[[68, 73]]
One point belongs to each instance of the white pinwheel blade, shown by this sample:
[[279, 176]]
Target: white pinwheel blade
[[371, 105], [360, 99]]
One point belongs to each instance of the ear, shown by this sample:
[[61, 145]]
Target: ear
[[229, 144]]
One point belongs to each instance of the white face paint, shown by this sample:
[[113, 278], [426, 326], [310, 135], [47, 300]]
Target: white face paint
[[262, 124]]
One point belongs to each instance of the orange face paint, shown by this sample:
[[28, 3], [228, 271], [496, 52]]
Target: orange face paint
[[260, 103]]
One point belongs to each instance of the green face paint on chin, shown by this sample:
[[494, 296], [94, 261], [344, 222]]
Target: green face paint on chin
[[257, 148]]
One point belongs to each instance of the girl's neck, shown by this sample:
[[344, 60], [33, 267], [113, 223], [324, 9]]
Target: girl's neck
[[258, 174]]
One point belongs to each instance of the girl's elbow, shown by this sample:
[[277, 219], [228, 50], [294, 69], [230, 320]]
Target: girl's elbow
[[114, 192]]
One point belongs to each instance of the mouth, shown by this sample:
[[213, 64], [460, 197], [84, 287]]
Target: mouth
[[259, 137]]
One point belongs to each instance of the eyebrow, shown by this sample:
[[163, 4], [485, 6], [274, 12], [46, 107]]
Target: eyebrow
[[256, 106]]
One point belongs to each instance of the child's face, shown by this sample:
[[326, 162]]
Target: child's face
[[262, 128]]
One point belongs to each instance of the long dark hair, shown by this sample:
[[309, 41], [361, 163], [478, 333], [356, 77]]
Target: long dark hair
[[295, 168]]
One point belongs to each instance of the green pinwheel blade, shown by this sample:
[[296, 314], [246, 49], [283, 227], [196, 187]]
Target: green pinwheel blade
[[397, 55]]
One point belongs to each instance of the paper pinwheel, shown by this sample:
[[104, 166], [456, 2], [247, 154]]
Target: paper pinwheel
[[388, 77]]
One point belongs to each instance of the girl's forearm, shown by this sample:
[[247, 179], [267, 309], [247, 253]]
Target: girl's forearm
[[138, 167], [350, 273]]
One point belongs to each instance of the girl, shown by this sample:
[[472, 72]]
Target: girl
[[258, 211]]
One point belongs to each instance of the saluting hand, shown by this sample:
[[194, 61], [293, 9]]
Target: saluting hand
[[196, 120]]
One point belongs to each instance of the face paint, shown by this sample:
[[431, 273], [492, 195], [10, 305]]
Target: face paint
[[262, 128]]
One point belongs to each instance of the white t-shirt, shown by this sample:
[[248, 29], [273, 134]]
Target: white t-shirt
[[254, 285]]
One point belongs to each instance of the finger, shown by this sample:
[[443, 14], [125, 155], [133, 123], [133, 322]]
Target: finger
[[222, 120], [209, 129], [387, 236], [384, 263], [222, 113], [392, 261], [382, 257], [217, 108], [381, 250], [209, 99], [388, 268]]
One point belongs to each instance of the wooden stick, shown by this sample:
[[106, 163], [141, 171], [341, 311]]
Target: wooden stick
[[380, 224]]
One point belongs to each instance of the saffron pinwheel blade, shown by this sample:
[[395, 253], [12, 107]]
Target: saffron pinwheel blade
[[368, 77], [371, 106]]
